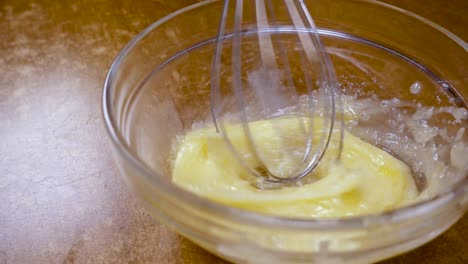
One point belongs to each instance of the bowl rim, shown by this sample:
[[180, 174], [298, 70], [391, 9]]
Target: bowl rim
[[249, 217]]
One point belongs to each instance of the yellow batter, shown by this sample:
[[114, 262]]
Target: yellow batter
[[366, 179]]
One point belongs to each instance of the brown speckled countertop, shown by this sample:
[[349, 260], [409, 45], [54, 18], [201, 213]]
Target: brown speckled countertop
[[61, 200]]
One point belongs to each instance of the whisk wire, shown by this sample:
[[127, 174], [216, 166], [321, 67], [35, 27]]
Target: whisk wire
[[314, 55]]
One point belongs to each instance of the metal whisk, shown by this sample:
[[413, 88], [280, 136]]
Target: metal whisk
[[269, 61]]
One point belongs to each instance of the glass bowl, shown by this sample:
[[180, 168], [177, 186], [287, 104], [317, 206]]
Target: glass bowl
[[159, 86]]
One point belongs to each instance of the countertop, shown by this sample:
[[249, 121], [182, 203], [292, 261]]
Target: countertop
[[61, 197]]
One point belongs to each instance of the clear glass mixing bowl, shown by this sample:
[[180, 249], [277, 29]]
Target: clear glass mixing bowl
[[158, 87]]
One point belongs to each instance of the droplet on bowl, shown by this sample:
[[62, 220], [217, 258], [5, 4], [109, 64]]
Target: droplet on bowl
[[416, 87]]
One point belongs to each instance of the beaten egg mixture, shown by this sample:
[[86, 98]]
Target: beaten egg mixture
[[364, 180]]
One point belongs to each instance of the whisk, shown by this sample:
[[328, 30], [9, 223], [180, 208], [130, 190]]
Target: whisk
[[253, 77]]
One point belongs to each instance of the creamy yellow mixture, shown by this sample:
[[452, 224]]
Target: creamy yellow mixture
[[365, 180]]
